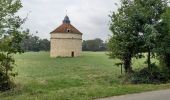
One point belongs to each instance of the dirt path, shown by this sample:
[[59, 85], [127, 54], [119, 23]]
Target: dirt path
[[154, 95]]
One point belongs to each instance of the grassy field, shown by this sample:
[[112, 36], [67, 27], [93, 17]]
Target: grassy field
[[90, 76]]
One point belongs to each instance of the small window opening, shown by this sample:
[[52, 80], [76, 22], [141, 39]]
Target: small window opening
[[68, 30]]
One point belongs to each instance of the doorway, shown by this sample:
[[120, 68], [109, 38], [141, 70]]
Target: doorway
[[72, 54]]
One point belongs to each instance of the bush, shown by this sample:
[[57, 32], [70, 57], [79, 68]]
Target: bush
[[150, 76], [6, 66], [5, 83]]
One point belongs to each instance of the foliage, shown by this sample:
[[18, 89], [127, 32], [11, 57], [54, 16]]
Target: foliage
[[125, 39], [150, 76], [163, 40], [94, 45], [151, 12], [10, 37], [34, 43], [135, 30]]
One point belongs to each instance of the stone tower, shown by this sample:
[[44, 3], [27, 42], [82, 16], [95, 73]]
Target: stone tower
[[66, 40]]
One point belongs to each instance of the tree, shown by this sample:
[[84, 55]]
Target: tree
[[150, 12], [125, 39], [10, 38], [134, 29], [44, 45], [163, 40], [94, 45], [84, 45], [34, 43]]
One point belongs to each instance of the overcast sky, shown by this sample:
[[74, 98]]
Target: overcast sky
[[88, 16]]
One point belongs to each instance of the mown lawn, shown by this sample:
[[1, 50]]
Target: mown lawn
[[90, 76]]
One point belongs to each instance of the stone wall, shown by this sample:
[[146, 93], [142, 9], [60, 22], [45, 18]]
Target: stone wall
[[66, 45]]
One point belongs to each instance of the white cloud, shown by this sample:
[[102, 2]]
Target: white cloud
[[89, 16]]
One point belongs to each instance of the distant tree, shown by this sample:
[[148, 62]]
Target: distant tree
[[44, 45], [94, 45], [84, 45], [10, 38], [34, 43]]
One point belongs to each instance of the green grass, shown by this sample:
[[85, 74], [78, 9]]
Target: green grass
[[90, 76]]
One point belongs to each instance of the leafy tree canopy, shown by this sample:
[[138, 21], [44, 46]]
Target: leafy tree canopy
[[10, 38], [134, 29]]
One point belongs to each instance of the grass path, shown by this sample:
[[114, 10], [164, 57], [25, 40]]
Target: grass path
[[90, 76]]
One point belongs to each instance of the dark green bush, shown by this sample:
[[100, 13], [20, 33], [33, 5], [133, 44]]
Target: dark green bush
[[155, 75], [5, 83]]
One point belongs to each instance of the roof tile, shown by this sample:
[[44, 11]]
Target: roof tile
[[66, 28]]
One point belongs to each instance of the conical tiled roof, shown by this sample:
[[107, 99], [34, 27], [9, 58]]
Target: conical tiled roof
[[66, 27]]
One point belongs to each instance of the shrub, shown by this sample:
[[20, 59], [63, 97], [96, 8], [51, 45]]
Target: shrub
[[155, 75]]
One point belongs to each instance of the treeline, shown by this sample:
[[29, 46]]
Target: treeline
[[94, 45], [34, 43]]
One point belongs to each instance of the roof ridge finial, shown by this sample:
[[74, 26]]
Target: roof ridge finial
[[66, 12]]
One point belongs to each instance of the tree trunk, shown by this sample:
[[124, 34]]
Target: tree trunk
[[127, 63], [149, 58]]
